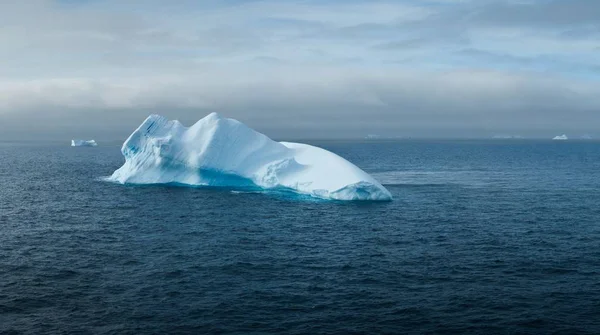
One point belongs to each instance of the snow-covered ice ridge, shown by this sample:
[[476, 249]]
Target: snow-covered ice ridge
[[83, 143], [218, 151]]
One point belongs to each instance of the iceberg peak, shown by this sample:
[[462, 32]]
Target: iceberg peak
[[218, 151], [213, 116]]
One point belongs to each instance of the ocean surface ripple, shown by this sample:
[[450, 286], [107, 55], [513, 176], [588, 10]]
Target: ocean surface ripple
[[483, 237]]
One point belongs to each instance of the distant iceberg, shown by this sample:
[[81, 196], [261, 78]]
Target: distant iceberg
[[560, 138], [587, 137], [218, 151], [83, 143]]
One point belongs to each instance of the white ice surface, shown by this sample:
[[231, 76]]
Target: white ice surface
[[83, 143], [218, 151]]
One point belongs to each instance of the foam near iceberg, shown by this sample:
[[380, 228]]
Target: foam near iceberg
[[83, 143], [218, 151]]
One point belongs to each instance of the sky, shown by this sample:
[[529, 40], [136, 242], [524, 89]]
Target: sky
[[301, 68]]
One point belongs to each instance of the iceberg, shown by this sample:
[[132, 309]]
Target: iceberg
[[560, 138], [223, 152], [83, 143]]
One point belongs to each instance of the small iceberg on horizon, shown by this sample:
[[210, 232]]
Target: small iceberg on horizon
[[222, 152], [83, 143], [560, 138]]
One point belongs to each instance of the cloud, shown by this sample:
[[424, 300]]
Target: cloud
[[328, 100], [320, 66]]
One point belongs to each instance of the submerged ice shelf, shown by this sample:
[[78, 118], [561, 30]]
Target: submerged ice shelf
[[218, 151]]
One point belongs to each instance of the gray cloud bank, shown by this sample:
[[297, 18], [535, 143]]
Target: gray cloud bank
[[302, 69]]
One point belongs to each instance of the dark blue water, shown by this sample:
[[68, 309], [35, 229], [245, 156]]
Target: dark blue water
[[482, 237]]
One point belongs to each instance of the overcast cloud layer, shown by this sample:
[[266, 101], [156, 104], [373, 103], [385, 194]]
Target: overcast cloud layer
[[331, 68]]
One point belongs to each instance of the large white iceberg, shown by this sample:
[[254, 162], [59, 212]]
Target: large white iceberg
[[560, 138], [218, 151], [83, 143]]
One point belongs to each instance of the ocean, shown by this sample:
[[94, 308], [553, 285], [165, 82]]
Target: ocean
[[482, 237]]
